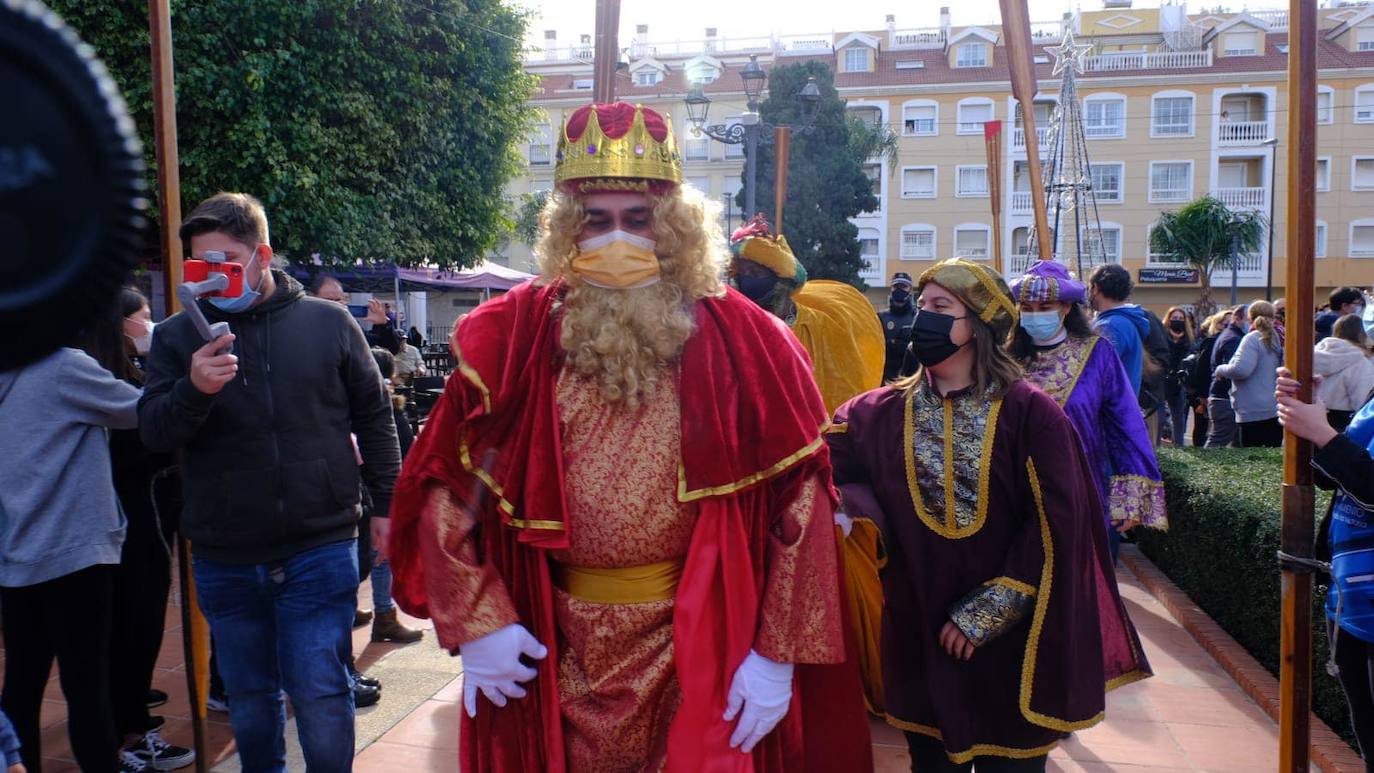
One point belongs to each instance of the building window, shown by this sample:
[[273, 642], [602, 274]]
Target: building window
[[735, 150], [1106, 118], [1171, 181], [541, 145], [871, 116], [1325, 99], [868, 248], [1106, 180], [971, 241], [972, 114], [1362, 238], [918, 182], [702, 74], [856, 59], [702, 184], [1362, 173], [1173, 117], [1364, 38], [971, 181], [1324, 173], [582, 84], [1106, 239], [1240, 44], [1364, 104], [1321, 239], [648, 78], [919, 120], [697, 149], [918, 242], [874, 172], [972, 55]]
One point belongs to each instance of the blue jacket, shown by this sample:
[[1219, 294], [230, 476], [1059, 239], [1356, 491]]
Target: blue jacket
[[9, 742], [1126, 327], [1345, 463]]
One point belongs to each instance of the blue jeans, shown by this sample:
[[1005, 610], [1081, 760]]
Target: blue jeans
[[286, 626], [381, 585]]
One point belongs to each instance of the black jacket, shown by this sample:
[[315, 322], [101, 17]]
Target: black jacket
[[896, 324], [268, 466], [1228, 341]]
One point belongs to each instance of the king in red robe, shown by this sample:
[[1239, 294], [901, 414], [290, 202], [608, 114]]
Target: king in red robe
[[628, 463]]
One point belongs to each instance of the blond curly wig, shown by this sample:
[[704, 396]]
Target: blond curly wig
[[623, 339]]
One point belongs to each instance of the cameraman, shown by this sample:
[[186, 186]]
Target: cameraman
[[272, 484]]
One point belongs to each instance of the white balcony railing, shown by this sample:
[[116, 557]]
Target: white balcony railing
[[1276, 19], [906, 40], [1242, 132], [1147, 60], [1249, 263], [1042, 139], [1240, 198], [1022, 203]]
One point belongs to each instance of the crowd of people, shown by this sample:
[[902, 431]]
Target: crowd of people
[[678, 508]]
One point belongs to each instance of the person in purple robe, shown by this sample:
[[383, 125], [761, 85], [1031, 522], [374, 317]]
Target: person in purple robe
[[1002, 627], [1060, 354]]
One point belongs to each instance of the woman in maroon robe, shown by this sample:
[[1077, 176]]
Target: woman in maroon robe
[[1002, 627]]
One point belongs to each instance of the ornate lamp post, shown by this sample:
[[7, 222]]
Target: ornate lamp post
[[749, 130]]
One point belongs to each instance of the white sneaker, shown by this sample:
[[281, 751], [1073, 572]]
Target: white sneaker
[[215, 704], [129, 763]]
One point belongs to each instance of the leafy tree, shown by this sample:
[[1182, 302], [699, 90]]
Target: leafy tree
[[1203, 234], [527, 216], [371, 129], [826, 183]]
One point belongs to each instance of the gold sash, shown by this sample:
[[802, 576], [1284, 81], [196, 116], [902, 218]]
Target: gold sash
[[623, 585]]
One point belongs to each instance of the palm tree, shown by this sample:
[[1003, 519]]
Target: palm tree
[[1205, 234]]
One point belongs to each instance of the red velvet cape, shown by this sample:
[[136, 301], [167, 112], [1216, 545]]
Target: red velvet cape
[[751, 414]]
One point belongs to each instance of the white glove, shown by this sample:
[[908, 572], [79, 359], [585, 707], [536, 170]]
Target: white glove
[[492, 664], [763, 688], [845, 523]]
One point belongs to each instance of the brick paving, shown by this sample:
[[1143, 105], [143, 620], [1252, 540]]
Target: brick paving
[[1192, 716]]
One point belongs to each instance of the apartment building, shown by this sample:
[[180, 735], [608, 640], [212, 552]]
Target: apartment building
[[1175, 105]]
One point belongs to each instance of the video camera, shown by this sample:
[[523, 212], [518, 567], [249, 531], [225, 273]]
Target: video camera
[[72, 191]]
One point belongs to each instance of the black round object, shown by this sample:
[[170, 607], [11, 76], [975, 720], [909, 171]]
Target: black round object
[[72, 192]]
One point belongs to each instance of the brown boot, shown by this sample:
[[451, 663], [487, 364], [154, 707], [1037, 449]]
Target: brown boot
[[385, 627], [361, 617]]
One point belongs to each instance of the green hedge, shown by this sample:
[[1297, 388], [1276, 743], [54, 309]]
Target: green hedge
[[1224, 512]]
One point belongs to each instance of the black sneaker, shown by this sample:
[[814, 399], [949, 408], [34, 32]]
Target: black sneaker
[[157, 754], [156, 698], [130, 763]]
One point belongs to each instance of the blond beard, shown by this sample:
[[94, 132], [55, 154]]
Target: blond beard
[[623, 339]]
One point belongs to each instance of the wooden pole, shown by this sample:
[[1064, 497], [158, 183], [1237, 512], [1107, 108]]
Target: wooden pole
[[195, 635], [1295, 666], [1020, 62], [607, 50], [782, 142], [165, 138], [992, 138]]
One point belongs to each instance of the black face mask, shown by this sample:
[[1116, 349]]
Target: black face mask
[[1178, 325], [756, 288], [900, 298], [930, 337]]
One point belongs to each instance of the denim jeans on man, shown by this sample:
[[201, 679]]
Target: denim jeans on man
[[381, 585], [288, 626]]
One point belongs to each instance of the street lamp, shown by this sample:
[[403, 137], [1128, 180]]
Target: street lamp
[[1273, 143], [749, 131]]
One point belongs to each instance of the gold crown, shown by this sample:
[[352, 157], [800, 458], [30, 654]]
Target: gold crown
[[636, 154]]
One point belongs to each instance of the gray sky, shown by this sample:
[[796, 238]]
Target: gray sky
[[687, 19]]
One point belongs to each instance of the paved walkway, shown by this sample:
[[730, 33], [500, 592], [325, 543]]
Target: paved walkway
[[1190, 717]]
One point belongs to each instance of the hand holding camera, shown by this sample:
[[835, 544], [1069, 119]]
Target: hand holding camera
[[210, 370]]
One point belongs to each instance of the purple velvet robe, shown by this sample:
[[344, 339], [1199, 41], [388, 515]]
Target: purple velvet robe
[[1086, 378], [1018, 561]]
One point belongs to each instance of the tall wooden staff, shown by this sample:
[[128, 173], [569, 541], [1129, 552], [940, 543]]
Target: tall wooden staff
[[607, 50], [1020, 61], [992, 138], [195, 632], [782, 142], [1295, 669]]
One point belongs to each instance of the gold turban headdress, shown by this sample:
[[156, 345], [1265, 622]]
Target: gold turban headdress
[[756, 241], [981, 289]]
